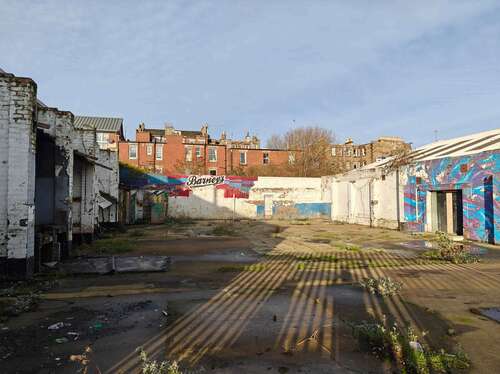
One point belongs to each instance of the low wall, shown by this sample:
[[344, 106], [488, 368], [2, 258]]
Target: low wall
[[236, 197], [262, 197]]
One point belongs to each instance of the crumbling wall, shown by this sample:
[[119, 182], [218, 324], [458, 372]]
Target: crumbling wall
[[107, 173], [85, 205], [59, 125], [17, 175], [367, 197]]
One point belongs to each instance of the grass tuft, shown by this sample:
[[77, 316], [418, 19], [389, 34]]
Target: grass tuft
[[404, 348]]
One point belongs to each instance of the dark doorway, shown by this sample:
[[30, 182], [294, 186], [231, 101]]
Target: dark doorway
[[488, 209], [450, 212]]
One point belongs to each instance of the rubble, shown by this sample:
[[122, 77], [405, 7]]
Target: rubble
[[112, 264]]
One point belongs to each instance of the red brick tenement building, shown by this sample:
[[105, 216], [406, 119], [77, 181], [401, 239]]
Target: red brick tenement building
[[171, 151]]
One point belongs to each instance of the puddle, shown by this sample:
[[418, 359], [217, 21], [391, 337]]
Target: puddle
[[418, 244], [491, 313], [475, 250]]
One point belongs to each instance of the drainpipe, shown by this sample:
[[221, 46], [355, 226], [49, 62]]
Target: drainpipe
[[225, 160], [370, 203]]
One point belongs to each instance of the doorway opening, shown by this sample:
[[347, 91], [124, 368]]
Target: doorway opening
[[449, 212]]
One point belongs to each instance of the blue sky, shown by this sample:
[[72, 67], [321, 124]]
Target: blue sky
[[361, 68]]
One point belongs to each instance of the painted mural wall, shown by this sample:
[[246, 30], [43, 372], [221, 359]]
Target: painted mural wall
[[476, 175], [235, 196]]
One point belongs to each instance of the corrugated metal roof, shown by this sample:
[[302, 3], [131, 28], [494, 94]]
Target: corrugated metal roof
[[462, 146], [105, 124]]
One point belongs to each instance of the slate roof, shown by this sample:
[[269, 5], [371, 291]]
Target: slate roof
[[104, 124], [189, 133]]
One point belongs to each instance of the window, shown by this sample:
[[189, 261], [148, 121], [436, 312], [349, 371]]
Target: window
[[349, 151], [243, 158], [356, 152], [363, 152], [212, 154], [198, 152], [188, 153], [291, 158], [265, 158], [212, 171], [149, 149], [102, 138], [159, 151], [132, 151], [334, 151]]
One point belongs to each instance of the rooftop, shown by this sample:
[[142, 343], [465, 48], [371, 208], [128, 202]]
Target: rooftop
[[104, 124], [455, 147]]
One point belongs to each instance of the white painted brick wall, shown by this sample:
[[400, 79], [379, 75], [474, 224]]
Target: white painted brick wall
[[17, 166]]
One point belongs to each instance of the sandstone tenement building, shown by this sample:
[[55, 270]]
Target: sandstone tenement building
[[349, 156]]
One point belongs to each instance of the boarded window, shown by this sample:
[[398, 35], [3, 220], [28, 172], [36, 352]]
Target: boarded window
[[188, 153], [265, 158]]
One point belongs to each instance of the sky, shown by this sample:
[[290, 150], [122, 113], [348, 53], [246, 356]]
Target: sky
[[364, 69]]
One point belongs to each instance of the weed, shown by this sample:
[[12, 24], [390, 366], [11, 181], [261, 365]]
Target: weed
[[300, 222], [319, 240], [403, 347], [172, 221], [382, 286], [136, 233], [320, 258], [301, 266], [236, 268], [221, 230], [450, 251], [350, 247], [85, 361], [154, 367], [108, 246]]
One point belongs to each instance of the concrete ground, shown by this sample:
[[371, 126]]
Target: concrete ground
[[257, 297]]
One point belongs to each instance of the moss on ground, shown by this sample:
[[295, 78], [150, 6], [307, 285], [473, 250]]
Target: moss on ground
[[109, 246]]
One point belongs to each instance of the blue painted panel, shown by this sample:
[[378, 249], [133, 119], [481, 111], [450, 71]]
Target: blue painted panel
[[313, 209]]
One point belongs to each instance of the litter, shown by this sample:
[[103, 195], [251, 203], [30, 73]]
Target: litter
[[165, 313], [61, 340], [56, 326], [416, 346], [97, 326], [74, 335]]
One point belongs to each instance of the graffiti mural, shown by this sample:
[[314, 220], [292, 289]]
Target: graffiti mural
[[182, 185], [477, 176]]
